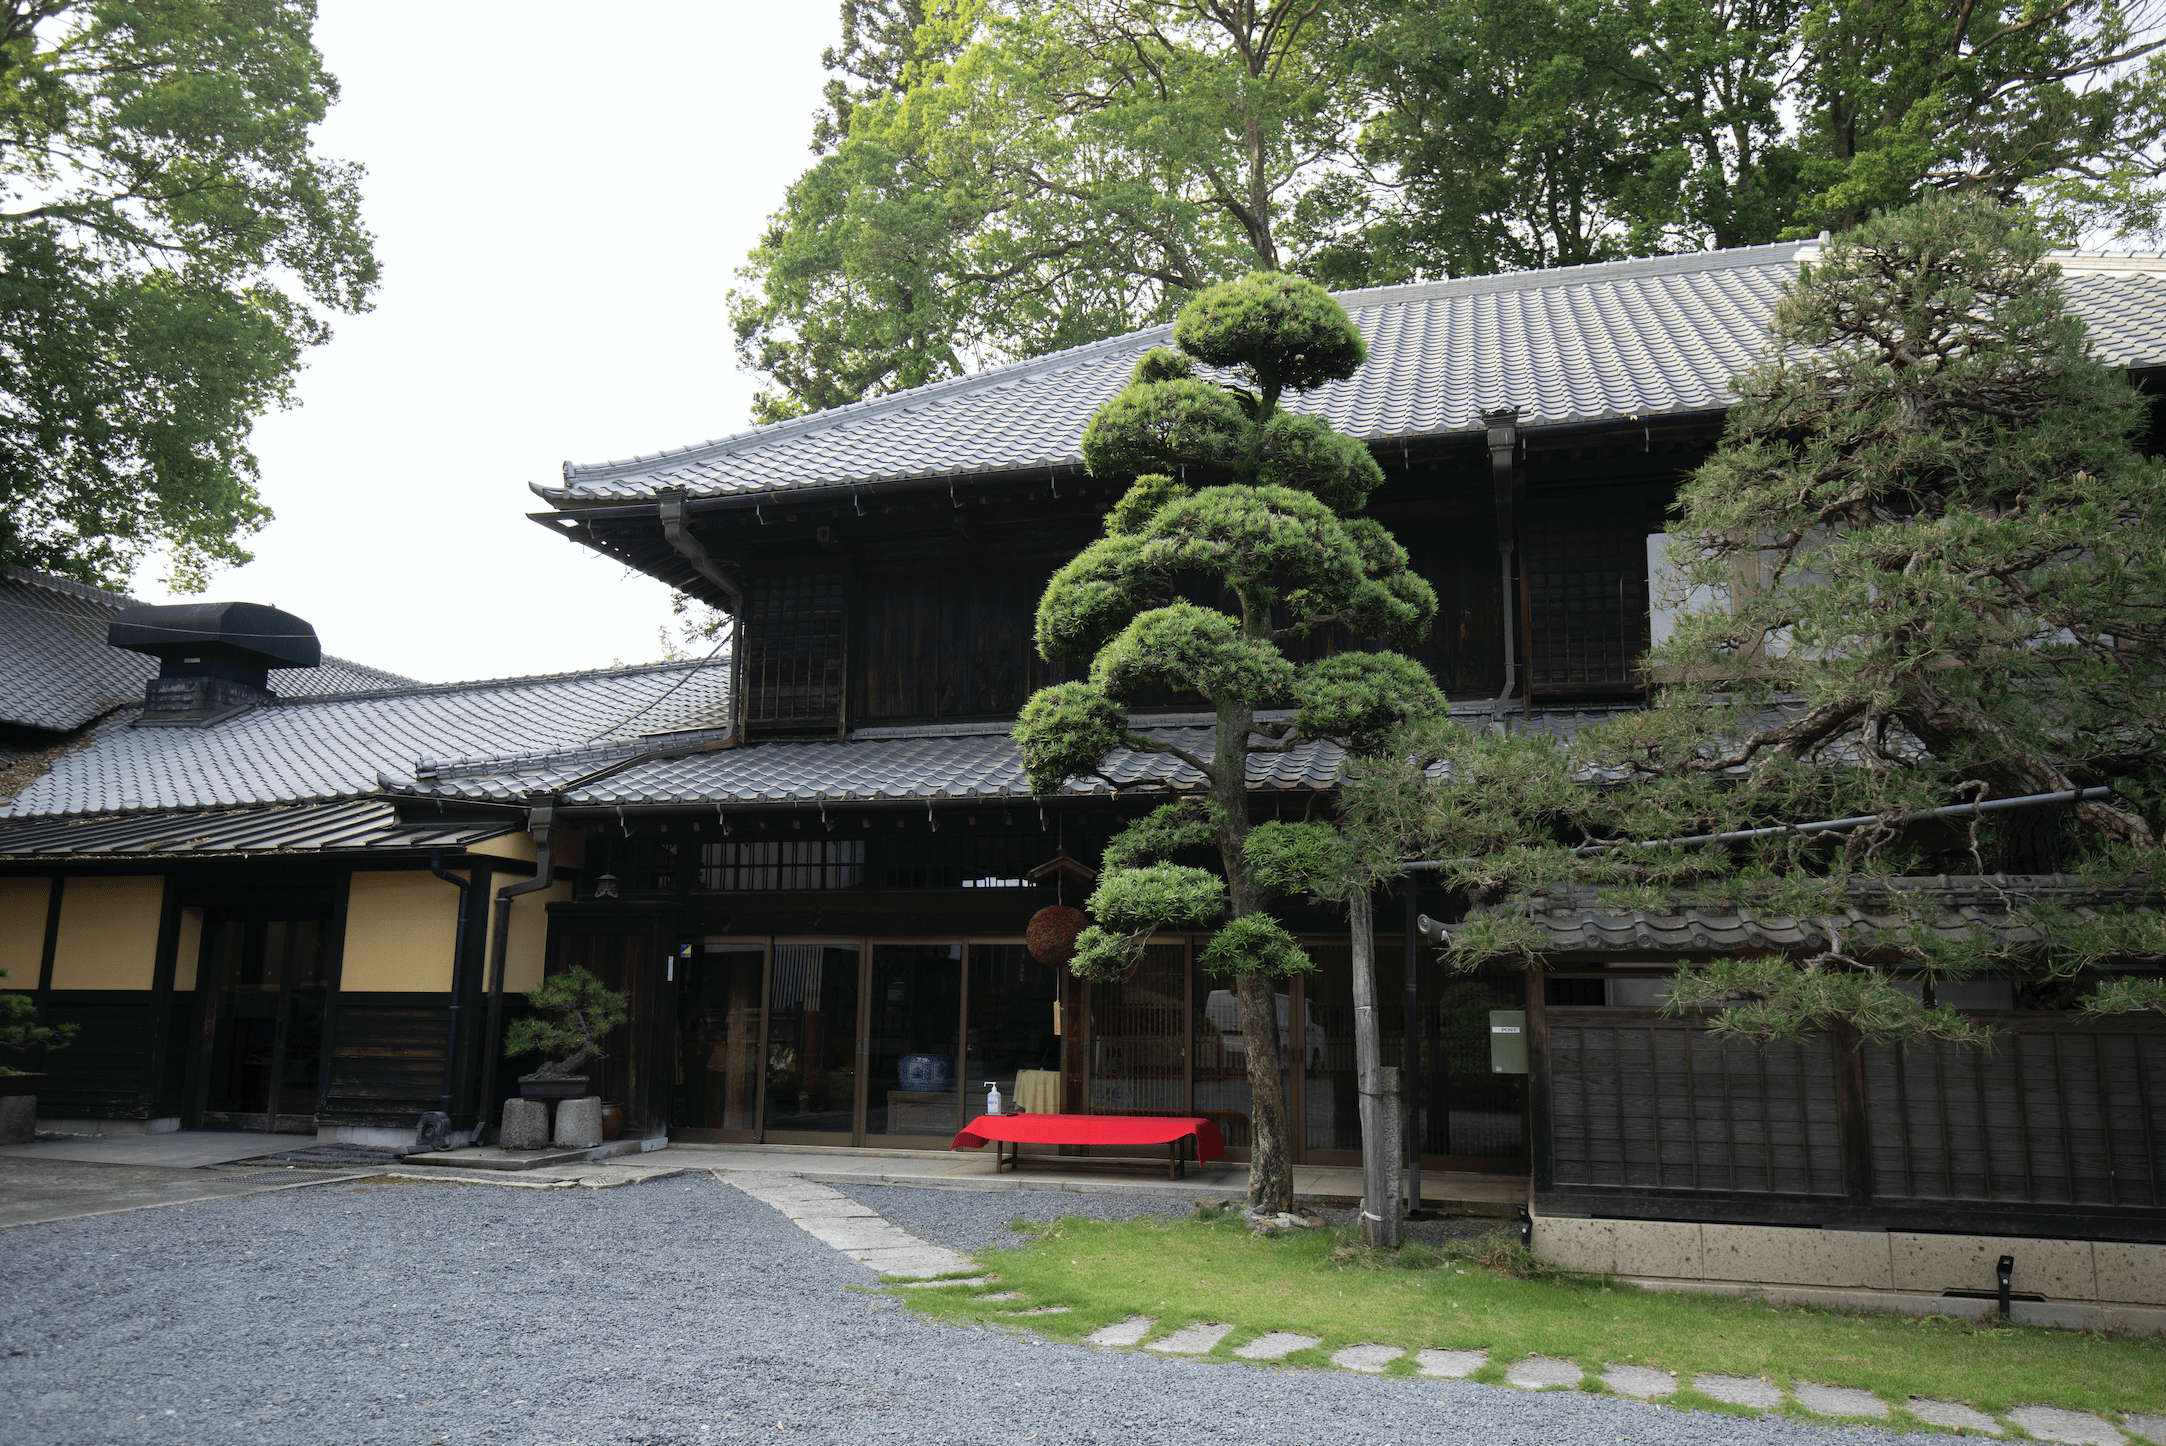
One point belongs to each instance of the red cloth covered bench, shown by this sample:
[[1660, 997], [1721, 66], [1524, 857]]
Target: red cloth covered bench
[[1185, 1138]]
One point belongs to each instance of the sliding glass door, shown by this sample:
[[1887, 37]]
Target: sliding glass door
[[814, 1042]]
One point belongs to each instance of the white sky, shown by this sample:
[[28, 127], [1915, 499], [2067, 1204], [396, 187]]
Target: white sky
[[561, 195]]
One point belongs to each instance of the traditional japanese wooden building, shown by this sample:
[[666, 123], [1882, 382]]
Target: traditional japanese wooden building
[[811, 860]]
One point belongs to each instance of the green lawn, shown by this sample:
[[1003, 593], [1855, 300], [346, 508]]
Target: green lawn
[[1313, 1283]]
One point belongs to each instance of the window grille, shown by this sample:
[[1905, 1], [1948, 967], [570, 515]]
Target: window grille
[[962, 863], [1587, 592], [794, 641], [760, 867]]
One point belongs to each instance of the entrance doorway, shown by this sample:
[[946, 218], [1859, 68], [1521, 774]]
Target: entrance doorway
[[262, 987], [858, 1041]]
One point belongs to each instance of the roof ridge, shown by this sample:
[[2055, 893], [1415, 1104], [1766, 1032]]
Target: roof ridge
[[483, 764], [1668, 263], [68, 586], [475, 685], [331, 658], [868, 407]]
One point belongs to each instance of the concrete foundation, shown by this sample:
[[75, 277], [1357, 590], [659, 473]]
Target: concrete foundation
[[2088, 1285], [387, 1136], [579, 1123], [526, 1124], [108, 1129]]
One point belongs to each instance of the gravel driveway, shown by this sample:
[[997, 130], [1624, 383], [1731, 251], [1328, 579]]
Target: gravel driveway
[[674, 1312]]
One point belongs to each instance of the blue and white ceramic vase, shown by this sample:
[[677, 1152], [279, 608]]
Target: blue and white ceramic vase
[[924, 1072]]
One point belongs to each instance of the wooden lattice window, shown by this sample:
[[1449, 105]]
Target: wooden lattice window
[[794, 651], [999, 862], [761, 867], [1586, 575]]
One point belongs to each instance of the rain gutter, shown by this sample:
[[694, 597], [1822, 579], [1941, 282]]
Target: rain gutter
[[541, 822]]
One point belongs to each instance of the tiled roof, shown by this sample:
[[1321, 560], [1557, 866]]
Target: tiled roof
[[920, 768], [57, 672], [1951, 907], [1621, 339], [364, 824], [310, 748], [934, 764]]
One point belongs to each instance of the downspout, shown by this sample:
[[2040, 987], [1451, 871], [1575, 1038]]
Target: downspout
[[541, 821], [678, 533], [458, 977], [1503, 426]]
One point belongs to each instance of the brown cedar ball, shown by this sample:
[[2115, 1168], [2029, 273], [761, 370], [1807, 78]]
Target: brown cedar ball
[[1051, 935]]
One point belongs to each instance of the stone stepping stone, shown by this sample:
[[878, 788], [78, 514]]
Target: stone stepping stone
[[943, 1284], [1121, 1333], [2051, 1423], [1739, 1391], [1839, 1400], [1003, 1295], [1452, 1365], [2151, 1428], [1537, 1373], [1952, 1413], [1369, 1360], [1192, 1340], [1644, 1382], [1042, 1310], [1276, 1345]]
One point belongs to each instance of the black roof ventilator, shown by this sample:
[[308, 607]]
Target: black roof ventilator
[[214, 659]]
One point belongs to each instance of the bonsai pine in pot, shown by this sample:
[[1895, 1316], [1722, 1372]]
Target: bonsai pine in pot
[[575, 1014], [20, 1030]]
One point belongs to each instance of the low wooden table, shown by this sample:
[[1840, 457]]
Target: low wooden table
[[1185, 1138]]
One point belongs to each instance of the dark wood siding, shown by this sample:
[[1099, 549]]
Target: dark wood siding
[[2053, 1130], [951, 639], [104, 1072], [2050, 1116], [387, 1064], [1661, 1103]]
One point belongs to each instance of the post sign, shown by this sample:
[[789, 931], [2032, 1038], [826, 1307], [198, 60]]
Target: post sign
[[1507, 1041]]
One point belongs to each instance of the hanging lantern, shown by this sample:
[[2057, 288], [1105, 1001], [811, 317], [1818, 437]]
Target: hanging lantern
[[1051, 935]]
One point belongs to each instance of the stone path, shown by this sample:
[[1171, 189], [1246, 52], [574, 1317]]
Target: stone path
[[834, 1219], [868, 1238]]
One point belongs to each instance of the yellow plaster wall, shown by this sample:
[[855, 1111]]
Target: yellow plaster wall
[[22, 930], [399, 929], [527, 940], [517, 846], [108, 933], [570, 846], [190, 952]]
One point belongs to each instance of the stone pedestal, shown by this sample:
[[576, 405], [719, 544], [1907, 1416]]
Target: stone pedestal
[[579, 1123], [526, 1125], [18, 1119]]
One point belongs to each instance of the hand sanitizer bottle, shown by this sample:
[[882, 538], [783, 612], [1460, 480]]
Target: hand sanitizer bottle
[[992, 1096]]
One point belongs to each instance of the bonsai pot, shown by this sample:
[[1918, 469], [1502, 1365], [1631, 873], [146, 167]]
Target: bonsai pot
[[612, 1120], [552, 1089]]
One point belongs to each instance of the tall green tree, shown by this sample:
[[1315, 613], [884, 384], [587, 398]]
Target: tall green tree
[[1926, 567], [2059, 102], [1267, 525], [170, 245], [1019, 176], [1512, 134]]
